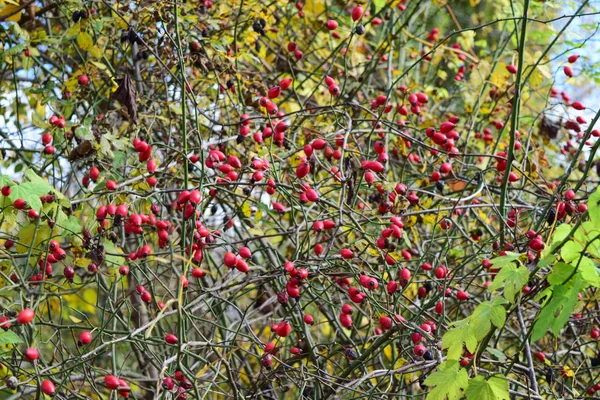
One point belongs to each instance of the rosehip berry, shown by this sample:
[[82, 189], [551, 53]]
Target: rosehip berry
[[25, 316], [48, 388]]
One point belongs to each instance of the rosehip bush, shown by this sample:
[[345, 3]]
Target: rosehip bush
[[320, 199]]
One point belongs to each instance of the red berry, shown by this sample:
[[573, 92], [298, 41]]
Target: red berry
[[230, 259], [111, 382], [48, 387], [83, 80], [31, 354], [308, 319], [19, 204], [462, 295], [331, 25], [357, 12], [26, 316], [568, 71], [85, 338], [111, 185], [347, 309], [245, 252], [171, 339], [345, 320], [346, 254]]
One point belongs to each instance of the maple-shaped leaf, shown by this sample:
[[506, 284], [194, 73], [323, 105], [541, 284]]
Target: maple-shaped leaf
[[462, 332], [486, 314], [511, 279], [495, 388], [449, 381]]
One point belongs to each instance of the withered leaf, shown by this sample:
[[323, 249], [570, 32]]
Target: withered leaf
[[549, 128], [125, 95], [84, 149], [97, 255]]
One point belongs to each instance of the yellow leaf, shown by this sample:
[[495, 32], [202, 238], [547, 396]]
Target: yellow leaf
[[9, 9], [568, 371], [75, 319], [73, 30], [466, 40], [499, 76], [85, 41], [313, 7], [246, 210], [96, 52]]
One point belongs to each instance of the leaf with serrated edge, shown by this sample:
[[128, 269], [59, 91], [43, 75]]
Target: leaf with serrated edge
[[449, 381]]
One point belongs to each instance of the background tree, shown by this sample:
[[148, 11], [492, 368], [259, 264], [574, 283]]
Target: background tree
[[313, 200]]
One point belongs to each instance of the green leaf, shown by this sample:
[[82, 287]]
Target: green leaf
[[9, 337], [495, 388], [571, 251], [454, 338], [556, 312], [496, 353], [511, 279], [6, 181], [30, 192], [588, 233], [560, 273], [560, 233], [588, 271], [450, 381], [594, 207], [486, 314], [500, 262], [379, 4]]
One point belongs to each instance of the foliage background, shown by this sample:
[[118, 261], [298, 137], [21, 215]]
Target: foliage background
[[196, 68]]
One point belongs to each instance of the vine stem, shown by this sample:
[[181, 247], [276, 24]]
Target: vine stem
[[534, 385], [514, 121]]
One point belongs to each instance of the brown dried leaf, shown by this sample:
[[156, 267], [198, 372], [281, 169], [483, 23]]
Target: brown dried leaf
[[84, 149], [126, 95]]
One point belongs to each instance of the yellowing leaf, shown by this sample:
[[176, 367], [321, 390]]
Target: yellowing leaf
[[75, 319], [499, 75], [73, 30], [96, 52], [313, 7], [10, 9], [85, 41], [466, 40]]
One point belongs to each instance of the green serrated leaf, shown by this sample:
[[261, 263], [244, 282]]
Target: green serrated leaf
[[449, 381], [558, 309], [495, 388], [9, 337], [6, 181], [486, 314], [560, 273], [571, 251], [500, 262], [511, 279], [453, 339]]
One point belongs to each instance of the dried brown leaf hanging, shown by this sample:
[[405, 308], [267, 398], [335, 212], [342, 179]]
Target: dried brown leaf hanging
[[125, 95]]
